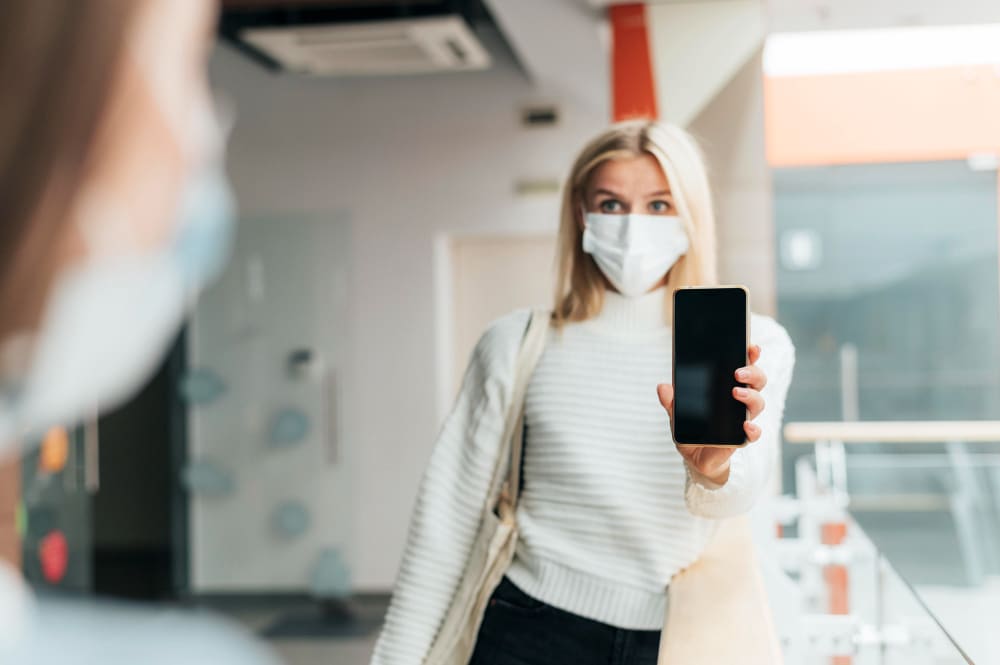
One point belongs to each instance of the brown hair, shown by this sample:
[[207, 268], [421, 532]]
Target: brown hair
[[579, 284], [58, 61]]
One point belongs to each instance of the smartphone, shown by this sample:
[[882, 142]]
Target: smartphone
[[711, 339]]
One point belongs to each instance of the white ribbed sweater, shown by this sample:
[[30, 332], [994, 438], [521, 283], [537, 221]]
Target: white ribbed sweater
[[609, 510]]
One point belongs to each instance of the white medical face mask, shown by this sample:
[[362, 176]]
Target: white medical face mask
[[634, 251], [110, 319]]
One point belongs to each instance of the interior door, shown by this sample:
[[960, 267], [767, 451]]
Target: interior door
[[492, 276]]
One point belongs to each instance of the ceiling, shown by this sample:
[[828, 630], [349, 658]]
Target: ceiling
[[298, 4], [801, 15], [243, 13], [297, 19], [573, 67]]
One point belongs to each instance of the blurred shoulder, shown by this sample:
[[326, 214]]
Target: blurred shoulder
[[771, 336], [502, 338]]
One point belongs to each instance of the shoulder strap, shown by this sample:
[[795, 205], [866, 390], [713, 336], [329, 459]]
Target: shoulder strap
[[531, 351]]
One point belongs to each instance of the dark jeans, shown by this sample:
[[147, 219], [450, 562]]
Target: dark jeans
[[520, 630]]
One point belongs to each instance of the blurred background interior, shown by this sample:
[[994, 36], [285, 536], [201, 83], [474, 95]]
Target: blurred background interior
[[397, 165]]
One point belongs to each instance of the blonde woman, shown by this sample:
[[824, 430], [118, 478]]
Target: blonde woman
[[610, 508]]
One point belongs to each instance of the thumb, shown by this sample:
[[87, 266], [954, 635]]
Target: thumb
[[665, 392]]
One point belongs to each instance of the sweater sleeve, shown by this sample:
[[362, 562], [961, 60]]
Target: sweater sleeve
[[451, 498], [750, 467]]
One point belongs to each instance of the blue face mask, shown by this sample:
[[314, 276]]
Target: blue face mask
[[110, 319], [206, 228]]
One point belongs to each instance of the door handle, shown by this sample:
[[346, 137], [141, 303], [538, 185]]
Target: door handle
[[91, 455]]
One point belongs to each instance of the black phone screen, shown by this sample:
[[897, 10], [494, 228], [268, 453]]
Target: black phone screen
[[710, 344]]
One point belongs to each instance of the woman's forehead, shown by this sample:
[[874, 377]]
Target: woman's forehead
[[640, 175]]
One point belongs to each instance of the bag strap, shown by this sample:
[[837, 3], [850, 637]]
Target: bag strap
[[531, 350]]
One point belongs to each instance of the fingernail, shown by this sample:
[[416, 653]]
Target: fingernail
[[741, 392], [742, 374]]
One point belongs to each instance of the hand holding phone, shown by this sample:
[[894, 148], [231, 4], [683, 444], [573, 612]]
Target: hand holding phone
[[716, 385]]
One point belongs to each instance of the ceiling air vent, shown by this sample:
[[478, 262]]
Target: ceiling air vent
[[392, 47]]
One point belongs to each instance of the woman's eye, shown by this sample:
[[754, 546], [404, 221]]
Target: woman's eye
[[610, 206], [660, 206]]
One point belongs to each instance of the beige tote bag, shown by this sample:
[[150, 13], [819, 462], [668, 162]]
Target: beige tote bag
[[493, 549], [718, 610]]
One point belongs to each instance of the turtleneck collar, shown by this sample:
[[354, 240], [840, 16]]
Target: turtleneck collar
[[630, 315]]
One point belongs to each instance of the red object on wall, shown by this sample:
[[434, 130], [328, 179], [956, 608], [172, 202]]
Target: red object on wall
[[53, 553], [633, 90]]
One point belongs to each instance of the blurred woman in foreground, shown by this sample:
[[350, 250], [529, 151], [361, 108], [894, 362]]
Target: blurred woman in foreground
[[114, 211]]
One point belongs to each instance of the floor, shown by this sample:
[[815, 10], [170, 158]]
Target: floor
[[924, 552], [325, 652], [970, 616], [351, 650], [969, 613]]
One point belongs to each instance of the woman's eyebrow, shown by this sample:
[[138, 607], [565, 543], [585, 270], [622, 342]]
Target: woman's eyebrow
[[662, 192], [608, 192]]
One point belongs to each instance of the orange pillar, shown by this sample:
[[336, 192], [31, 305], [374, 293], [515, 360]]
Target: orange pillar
[[836, 579], [633, 91]]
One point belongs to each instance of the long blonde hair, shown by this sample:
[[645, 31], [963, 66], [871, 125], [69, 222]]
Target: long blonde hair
[[579, 284]]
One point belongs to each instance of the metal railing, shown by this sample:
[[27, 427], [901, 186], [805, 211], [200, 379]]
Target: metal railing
[[969, 499], [851, 602]]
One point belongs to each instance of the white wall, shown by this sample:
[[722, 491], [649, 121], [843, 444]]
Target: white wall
[[696, 47], [405, 160], [731, 131]]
